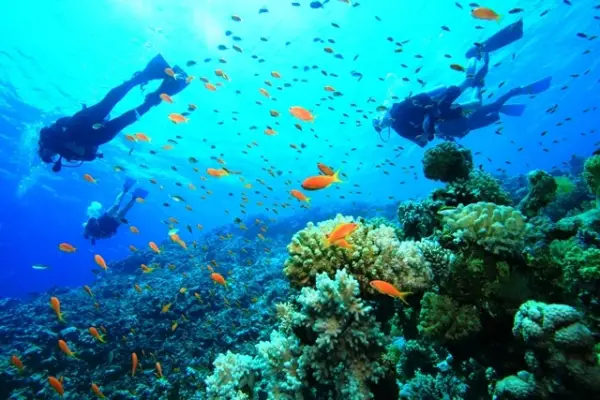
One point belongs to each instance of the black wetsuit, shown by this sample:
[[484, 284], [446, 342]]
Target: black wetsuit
[[101, 228], [408, 117]]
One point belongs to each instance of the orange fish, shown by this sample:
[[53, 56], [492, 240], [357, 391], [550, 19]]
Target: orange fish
[[189, 79], [264, 92], [130, 138], [485, 13], [65, 348], [97, 391], [171, 73], [320, 181], [275, 74], [274, 113], [56, 385], [87, 289], [217, 173], [89, 178], [270, 132], [218, 278], [142, 137], [210, 86], [133, 229], [154, 247], [192, 107], [14, 360], [302, 114], [94, 332], [132, 248], [55, 304], [167, 147], [178, 118], [325, 169], [134, 363], [159, 373], [67, 248], [166, 98], [299, 195], [341, 232], [166, 308], [100, 261], [329, 88], [182, 244], [387, 288], [137, 288], [146, 269]]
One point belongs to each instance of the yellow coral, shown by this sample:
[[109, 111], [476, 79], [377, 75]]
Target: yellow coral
[[376, 254]]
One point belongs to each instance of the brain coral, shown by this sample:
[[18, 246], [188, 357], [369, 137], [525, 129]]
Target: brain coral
[[376, 253], [495, 228]]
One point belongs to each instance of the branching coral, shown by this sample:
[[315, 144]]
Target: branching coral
[[232, 378], [443, 319], [447, 162], [440, 260], [418, 219], [376, 254], [478, 186], [542, 190], [496, 228], [581, 267]]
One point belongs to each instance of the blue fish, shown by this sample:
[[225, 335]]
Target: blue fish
[[263, 10], [318, 4]]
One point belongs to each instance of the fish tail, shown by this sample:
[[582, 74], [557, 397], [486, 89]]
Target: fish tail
[[308, 200], [498, 18], [402, 296], [336, 177]]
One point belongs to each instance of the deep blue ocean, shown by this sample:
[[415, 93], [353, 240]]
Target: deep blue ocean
[[56, 55]]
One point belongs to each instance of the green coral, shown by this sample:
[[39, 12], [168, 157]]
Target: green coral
[[376, 254], [591, 174], [447, 162], [542, 190], [498, 229], [564, 185], [478, 186], [443, 319], [581, 267]]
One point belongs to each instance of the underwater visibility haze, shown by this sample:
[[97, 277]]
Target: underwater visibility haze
[[273, 199]]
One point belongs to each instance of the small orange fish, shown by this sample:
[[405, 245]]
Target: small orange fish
[[142, 137], [320, 181], [299, 195], [97, 392], [171, 73], [189, 79], [166, 98], [65, 348], [210, 86], [217, 173], [17, 363], [486, 14], [154, 247], [87, 289], [89, 178], [100, 261], [218, 278], [341, 232], [134, 229], [67, 248], [134, 363], [132, 248], [275, 74], [168, 147], [137, 288], [264, 92], [270, 132], [55, 304], [192, 107], [384, 287], [325, 169], [159, 373], [94, 332], [56, 385], [178, 118], [166, 308], [130, 138], [274, 113], [146, 269], [302, 114], [329, 88]]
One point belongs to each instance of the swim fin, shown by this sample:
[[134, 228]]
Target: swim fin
[[504, 37], [169, 85], [129, 182], [537, 87], [513, 110], [155, 69], [139, 193]]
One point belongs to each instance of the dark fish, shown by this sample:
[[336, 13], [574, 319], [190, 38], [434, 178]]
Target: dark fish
[[355, 57], [458, 5], [222, 47], [296, 4], [445, 28], [263, 10], [191, 63], [516, 11], [237, 38], [207, 60], [567, 2], [582, 35], [228, 33], [544, 13], [341, 57], [335, 25], [318, 4]]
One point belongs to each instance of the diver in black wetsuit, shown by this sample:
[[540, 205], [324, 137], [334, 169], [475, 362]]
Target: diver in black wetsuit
[[106, 225], [77, 138]]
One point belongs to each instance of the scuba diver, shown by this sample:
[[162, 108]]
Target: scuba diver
[[415, 118], [77, 138], [105, 226]]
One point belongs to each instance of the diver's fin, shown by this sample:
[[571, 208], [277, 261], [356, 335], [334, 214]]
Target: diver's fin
[[172, 86], [537, 87], [129, 182], [513, 110], [155, 69], [139, 193], [504, 37]]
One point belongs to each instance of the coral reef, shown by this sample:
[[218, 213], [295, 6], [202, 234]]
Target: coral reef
[[493, 227], [443, 319], [418, 219], [591, 174], [376, 254], [447, 162], [477, 187], [542, 190]]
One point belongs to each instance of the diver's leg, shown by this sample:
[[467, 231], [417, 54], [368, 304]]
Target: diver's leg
[[122, 213], [479, 119], [112, 211], [114, 126], [437, 91]]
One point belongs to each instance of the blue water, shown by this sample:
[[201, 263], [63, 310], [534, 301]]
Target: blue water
[[57, 54]]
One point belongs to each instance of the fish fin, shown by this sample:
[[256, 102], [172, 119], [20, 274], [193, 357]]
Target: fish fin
[[336, 177], [403, 296], [308, 200]]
